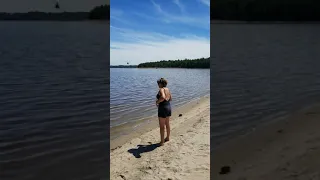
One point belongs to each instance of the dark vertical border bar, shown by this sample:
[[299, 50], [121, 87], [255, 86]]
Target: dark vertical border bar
[[212, 65]]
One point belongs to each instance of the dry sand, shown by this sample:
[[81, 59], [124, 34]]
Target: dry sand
[[288, 149], [186, 156]]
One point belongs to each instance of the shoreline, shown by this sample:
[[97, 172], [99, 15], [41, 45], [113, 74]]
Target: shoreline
[[147, 124], [285, 148], [185, 156]]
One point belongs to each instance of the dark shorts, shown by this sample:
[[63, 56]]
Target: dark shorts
[[164, 110]]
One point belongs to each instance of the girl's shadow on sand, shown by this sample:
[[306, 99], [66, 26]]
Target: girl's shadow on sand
[[143, 149]]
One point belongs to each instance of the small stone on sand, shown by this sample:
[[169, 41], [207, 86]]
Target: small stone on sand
[[225, 170], [280, 131], [122, 176]]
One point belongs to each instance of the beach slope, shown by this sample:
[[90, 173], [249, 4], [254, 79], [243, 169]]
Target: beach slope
[[186, 156], [288, 149]]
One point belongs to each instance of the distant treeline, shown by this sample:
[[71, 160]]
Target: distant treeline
[[187, 63], [265, 10], [98, 13]]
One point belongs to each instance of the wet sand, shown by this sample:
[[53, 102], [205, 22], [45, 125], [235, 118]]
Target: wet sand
[[186, 156], [281, 150]]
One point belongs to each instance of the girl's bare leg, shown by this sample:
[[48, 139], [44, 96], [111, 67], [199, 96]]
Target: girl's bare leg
[[167, 128], [162, 124]]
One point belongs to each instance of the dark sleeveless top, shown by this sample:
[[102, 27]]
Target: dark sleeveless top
[[164, 109], [158, 96], [164, 101]]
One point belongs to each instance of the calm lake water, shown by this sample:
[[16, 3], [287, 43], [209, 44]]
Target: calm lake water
[[261, 72], [54, 115], [133, 91]]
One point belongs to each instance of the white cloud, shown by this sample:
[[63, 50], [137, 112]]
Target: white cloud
[[121, 20], [149, 47], [116, 12], [179, 4], [136, 46], [202, 21], [205, 2], [117, 15], [157, 6], [129, 35]]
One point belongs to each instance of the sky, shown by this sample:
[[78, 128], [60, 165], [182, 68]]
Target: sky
[[48, 5], [153, 30]]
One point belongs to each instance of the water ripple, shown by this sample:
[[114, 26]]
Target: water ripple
[[133, 91]]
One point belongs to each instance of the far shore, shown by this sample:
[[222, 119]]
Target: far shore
[[156, 68]]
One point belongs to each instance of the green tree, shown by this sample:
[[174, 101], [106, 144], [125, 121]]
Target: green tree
[[187, 63]]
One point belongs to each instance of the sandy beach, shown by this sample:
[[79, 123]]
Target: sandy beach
[[284, 149], [186, 156]]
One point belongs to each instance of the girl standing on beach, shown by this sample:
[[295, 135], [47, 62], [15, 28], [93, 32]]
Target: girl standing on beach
[[164, 108]]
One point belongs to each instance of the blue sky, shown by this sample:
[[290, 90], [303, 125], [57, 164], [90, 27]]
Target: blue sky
[[153, 30]]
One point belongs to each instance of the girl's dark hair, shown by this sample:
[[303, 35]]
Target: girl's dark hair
[[163, 82]]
